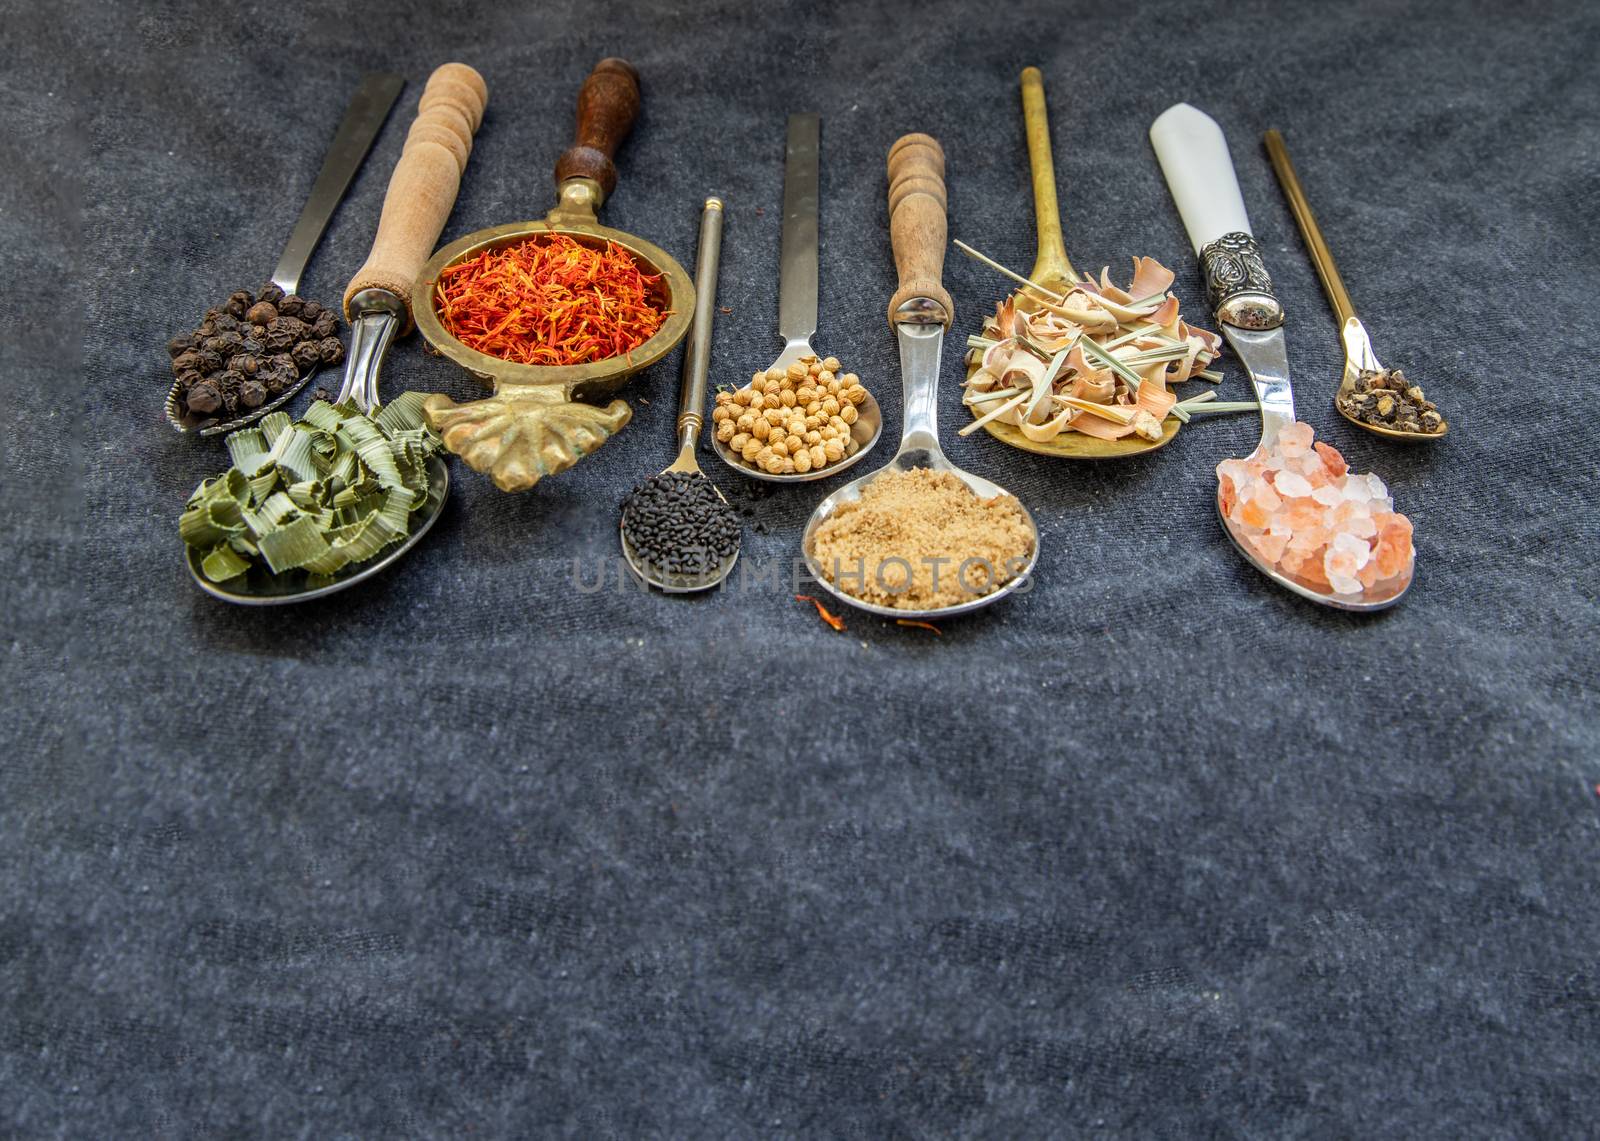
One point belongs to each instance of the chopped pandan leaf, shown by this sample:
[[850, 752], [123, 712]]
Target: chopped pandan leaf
[[308, 495], [223, 563], [273, 425], [249, 450], [322, 415], [402, 414], [293, 456], [373, 448], [293, 545]]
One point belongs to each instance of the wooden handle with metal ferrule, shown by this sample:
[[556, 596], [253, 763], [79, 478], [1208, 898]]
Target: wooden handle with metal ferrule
[[917, 228], [423, 188], [608, 103]]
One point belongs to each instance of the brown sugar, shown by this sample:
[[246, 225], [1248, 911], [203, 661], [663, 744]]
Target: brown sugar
[[921, 540]]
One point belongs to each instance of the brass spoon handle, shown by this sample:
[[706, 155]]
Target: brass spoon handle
[[697, 357], [1051, 262], [1316, 244]]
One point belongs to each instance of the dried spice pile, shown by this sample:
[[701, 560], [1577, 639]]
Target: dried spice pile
[[250, 349], [920, 539], [1301, 510], [328, 490], [676, 523], [1389, 400], [550, 300], [792, 420]]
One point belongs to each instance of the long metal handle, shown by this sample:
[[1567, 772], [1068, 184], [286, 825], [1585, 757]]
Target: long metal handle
[[1321, 256], [797, 262], [1051, 264], [362, 121], [697, 357], [919, 374]]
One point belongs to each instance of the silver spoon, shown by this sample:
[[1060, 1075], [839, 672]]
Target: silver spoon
[[1199, 171], [421, 193], [797, 296], [691, 406], [920, 310], [357, 132]]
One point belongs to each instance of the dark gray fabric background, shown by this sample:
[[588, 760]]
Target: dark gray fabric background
[[1154, 850]]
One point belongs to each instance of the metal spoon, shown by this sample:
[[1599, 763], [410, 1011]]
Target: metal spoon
[[797, 296], [691, 404], [1358, 355], [421, 192], [1199, 171], [363, 119], [920, 310]]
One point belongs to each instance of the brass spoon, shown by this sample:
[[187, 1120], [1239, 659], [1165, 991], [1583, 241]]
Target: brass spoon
[[1052, 271], [691, 402], [797, 297], [1358, 355]]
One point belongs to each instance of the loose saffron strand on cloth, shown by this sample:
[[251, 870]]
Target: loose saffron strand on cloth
[[549, 300]]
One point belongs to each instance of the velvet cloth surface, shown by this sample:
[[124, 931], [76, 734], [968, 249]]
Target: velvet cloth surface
[[1154, 849]]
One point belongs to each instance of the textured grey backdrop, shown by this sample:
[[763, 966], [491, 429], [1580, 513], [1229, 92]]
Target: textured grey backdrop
[[1153, 850]]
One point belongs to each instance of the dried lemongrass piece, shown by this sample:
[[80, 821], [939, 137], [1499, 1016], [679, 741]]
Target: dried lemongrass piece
[[1117, 343]]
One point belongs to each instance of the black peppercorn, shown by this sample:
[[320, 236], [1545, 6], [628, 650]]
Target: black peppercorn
[[278, 340], [283, 362], [320, 393], [188, 361], [331, 350], [310, 310], [206, 329], [213, 313], [271, 293], [252, 394], [180, 345], [204, 398], [290, 305], [260, 313], [306, 356], [187, 380], [228, 379], [208, 360], [291, 325], [325, 325], [245, 363], [238, 303], [251, 345]]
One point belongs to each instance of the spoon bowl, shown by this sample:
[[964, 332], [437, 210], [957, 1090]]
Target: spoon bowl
[[1359, 358], [260, 587], [864, 433]]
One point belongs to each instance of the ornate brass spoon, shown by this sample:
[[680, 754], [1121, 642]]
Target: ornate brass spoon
[[920, 311], [1358, 355], [691, 405], [541, 419], [1052, 271], [797, 296]]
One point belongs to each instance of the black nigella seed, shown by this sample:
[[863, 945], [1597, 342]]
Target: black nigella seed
[[677, 523]]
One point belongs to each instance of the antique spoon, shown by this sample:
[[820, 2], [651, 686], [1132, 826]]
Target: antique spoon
[[1199, 171], [797, 296], [920, 310], [1358, 355], [1053, 273], [691, 404], [364, 118], [422, 191]]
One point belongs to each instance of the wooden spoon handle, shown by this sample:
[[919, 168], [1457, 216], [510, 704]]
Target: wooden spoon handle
[[608, 103], [423, 188], [917, 226]]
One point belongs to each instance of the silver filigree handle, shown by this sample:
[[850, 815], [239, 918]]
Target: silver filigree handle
[[1237, 283]]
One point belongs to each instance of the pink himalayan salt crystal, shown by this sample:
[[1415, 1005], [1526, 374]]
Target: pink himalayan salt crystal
[[1295, 439], [1298, 508]]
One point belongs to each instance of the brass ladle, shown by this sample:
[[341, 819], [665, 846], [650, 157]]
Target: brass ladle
[[1052, 271], [542, 419], [1358, 355], [691, 404]]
